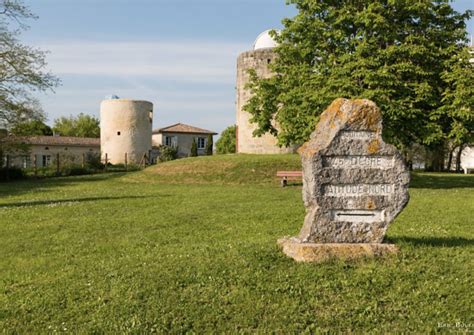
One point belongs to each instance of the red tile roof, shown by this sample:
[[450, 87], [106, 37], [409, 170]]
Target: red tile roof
[[56, 140], [183, 128]]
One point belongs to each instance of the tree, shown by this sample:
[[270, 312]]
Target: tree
[[209, 145], [194, 149], [31, 128], [82, 125], [458, 101], [392, 52], [226, 144], [22, 68]]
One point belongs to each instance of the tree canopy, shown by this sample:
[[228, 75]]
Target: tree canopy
[[82, 125], [226, 144], [31, 128], [22, 68], [400, 54]]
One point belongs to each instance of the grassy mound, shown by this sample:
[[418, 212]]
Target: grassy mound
[[223, 169]]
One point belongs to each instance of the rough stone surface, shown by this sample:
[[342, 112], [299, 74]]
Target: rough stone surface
[[354, 184], [321, 252]]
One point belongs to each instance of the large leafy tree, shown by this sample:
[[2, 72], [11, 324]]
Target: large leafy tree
[[22, 68], [398, 53], [82, 125]]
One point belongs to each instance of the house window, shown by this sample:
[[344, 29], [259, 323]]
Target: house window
[[47, 148], [171, 141], [118, 133], [26, 162], [46, 160], [201, 143], [150, 116]]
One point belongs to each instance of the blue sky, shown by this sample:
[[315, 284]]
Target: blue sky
[[178, 54]]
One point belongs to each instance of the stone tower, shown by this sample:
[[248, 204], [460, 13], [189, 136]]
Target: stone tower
[[259, 58], [125, 130]]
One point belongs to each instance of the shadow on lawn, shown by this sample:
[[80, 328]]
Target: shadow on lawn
[[73, 200], [23, 186], [434, 241], [441, 180]]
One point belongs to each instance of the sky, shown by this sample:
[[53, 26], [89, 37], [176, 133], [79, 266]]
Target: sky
[[178, 54]]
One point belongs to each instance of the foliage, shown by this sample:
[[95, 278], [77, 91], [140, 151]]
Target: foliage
[[194, 149], [458, 99], [167, 153], [93, 161], [209, 145], [82, 125], [11, 173], [146, 256], [31, 128], [226, 144], [22, 68], [392, 52]]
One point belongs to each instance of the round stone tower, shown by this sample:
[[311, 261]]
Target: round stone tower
[[258, 59], [125, 130]]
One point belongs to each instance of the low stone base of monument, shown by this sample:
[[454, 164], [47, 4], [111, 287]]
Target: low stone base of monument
[[321, 252]]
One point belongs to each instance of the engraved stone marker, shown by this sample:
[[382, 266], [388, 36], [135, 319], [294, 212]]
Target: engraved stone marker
[[354, 185]]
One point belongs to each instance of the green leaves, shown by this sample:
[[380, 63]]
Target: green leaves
[[392, 52], [82, 125]]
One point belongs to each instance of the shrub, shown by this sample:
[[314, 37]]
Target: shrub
[[209, 145], [93, 161], [194, 149], [167, 153]]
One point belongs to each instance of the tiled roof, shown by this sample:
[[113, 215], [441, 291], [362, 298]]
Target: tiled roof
[[56, 140], [183, 128]]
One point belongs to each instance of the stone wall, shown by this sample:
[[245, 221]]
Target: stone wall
[[71, 154], [246, 143]]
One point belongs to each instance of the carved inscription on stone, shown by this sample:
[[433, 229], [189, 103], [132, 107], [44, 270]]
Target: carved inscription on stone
[[354, 184], [357, 135], [358, 190], [373, 162]]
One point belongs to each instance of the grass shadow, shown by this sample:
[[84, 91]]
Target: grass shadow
[[72, 200], [22, 186], [433, 241], [441, 180]]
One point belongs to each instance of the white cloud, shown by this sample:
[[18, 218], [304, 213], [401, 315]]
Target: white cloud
[[193, 61]]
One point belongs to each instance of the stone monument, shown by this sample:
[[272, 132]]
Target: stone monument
[[354, 185]]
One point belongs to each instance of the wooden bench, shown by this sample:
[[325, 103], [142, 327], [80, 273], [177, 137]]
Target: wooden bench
[[289, 175]]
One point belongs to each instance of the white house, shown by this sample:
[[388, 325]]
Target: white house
[[181, 136]]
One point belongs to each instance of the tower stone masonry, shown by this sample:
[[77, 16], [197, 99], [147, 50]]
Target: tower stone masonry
[[126, 130], [258, 59]]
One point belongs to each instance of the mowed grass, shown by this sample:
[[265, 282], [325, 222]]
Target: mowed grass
[[190, 246]]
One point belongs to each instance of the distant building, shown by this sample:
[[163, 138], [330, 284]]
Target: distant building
[[44, 150], [181, 135]]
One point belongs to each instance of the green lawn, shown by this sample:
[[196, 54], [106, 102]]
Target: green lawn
[[190, 246]]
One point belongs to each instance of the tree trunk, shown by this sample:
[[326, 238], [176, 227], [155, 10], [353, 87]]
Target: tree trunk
[[458, 158]]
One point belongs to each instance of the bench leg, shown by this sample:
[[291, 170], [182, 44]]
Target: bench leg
[[284, 182]]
